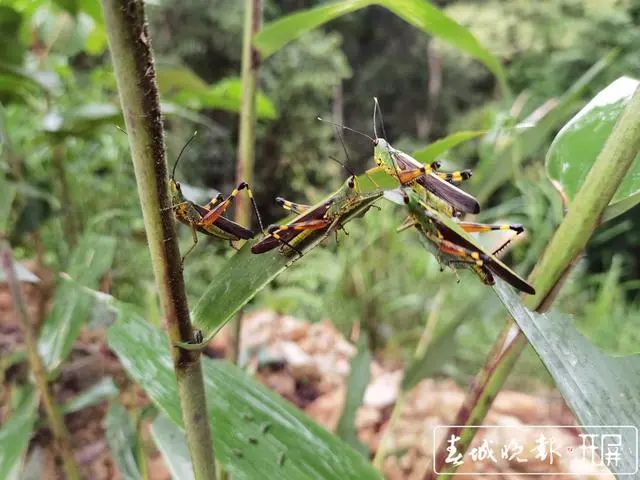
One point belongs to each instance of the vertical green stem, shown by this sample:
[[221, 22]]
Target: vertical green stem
[[561, 253], [55, 420], [134, 69], [247, 128]]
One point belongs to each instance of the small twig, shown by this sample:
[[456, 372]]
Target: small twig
[[55, 420]]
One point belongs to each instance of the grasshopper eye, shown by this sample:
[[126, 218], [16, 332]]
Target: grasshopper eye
[[352, 182], [375, 142]]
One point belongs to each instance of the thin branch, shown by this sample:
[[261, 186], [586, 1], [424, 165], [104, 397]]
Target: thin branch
[[134, 68], [246, 131], [61, 438]]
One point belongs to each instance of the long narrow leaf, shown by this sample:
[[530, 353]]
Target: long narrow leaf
[[71, 305], [122, 440], [257, 433], [15, 434], [432, 151], [599, 389], [172, 442], [356, 386]]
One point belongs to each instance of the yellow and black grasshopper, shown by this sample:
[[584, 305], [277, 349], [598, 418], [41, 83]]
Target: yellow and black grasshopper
[[208, 219], [446, 239], [409, 171], [326, 216]]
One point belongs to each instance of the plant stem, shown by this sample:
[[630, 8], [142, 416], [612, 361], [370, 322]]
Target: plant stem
[[246, 130], [61, 438], [562, 252], [134, 69]]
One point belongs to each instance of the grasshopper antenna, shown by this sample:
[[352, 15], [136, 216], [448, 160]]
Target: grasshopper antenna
[[344, 147], [376, 107], [346, 128], [121, 129], [346, 167], [173, 172]]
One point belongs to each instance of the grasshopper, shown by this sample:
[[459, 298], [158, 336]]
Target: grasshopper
[[423, 178], [447, 240], [328, 215], [208, 219]]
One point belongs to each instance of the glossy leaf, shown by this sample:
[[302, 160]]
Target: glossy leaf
[[104, 389], [256, 431], [432, 151], [599, 389], [15, 434], [71, 305], [122, 440], [172, 443], [356, 385], [244, 275], [419, 13], [575, 148]]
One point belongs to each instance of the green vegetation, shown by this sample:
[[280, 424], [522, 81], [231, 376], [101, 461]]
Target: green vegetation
[[541, 101]]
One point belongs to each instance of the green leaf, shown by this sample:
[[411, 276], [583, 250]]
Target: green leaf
[[599, 389], [431, 152], [225, 95], [7, 196], [277, 34], [15, 434], [429, 19], [104, 389], [172, 443], [356, 385], [71, 305], [10, 25], [505, 150], [252, 426], [575, 148], [123, 441], [244, 275], [419, 13]]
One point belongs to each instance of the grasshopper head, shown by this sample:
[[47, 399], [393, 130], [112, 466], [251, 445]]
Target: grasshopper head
[[175, 192], [382, 154]]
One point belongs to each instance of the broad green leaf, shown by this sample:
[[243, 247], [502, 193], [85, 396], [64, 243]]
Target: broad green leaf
[[600, 389], [172, 443], [278, 33], [15, 434], [245, 274], [104, 389], [432, 151], [419, 13], [71, 304], [256, 432], [356, 385], [123, 441], [505, 150], [575, 148], [10, 25], [426, 17]]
